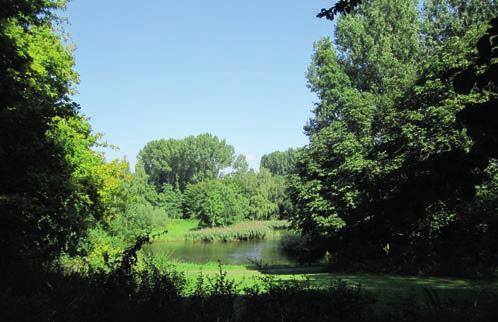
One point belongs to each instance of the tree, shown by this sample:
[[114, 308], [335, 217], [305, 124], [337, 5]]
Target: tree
[[215, 203], [481, 75], [55, 187], [356, 86], [101, 209], [266, 194], [240, 164], [438, 183], [187, 161], [39, 217], [387, 173], [279, 163], [170, 201], [443, 19]]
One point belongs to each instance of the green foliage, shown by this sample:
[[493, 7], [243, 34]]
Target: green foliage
[[279, 163], [155, 294], [96, 182], [37, 218], [215, 203], [186, 165], [401, 168], [389, 173], [378, 46], [137, 210], [215, 297], [170, 201], [266, 194], [240, 164], [339, 302], [187, 161], [443, 19]]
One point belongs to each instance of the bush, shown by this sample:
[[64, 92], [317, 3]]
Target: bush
[[213, 298], [300, 248], [170, 201]]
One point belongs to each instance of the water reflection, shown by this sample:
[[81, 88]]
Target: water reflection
[[244, 252]]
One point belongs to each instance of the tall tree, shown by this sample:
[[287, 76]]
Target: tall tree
[[443, 19], [356, 84], [240, 164], [182, 162], [387, 169], [279, 162], [37, 216]]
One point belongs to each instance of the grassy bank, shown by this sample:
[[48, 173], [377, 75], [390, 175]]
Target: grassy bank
[[246, 230], [188, 229], [175, 229]]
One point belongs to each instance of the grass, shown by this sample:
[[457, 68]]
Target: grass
[[176, 229], [318, 277], [389, 289]]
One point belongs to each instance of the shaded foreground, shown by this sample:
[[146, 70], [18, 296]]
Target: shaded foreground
[[153, 294]]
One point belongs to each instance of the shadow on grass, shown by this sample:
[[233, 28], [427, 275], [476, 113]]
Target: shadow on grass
[[388, 288]]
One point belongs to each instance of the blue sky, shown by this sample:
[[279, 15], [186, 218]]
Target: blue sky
[[168, 69]]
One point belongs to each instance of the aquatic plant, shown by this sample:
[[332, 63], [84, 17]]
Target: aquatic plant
[[247, 230]]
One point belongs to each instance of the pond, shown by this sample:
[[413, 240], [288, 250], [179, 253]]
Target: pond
[[267, 252]]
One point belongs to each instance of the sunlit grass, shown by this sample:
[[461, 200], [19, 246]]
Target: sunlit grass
[[175, 229], [389, 287]]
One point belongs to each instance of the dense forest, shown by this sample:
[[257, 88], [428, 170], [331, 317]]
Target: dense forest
[[399, 178]]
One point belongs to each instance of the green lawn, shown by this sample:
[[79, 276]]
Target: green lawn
[[316, 276], [388, 289], [176, 229]]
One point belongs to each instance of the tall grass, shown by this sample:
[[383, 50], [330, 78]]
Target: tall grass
[[246, 230]]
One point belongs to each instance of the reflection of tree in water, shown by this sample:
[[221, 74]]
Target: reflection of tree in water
[[243, 252]]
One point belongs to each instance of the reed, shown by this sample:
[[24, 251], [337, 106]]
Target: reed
[[246, 230]]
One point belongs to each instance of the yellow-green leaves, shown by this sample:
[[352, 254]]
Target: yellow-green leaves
[[50, 63]]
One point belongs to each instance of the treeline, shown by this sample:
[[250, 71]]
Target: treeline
[[400, 172], [201, 177]]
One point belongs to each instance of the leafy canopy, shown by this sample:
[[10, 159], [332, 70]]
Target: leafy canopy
[[186, 161]]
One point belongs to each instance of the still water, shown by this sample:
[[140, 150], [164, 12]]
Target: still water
[[266, 252]]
